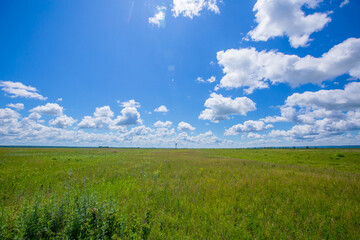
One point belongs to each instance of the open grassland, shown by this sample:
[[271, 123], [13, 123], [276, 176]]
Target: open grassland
[[179, 194]]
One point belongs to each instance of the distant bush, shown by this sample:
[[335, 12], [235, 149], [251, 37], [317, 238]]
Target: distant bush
[[340, 155], [82, 217]]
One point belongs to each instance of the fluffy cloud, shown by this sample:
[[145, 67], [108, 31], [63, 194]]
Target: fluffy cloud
[[130, 103], [17, 106], [49, 109], [162, 133], [162, 108], [184, 126], [17, 89], [191, 8], [210, 80], [62, 121], [283, 17], [159, 18], [336, 99], [129, 116], [137, 131], [248, 126], [103, 112], [320, 114], [34, 116], [101, 118], [308, 106], [29, 130], [8, 119], [204, 138], [90, 122], [160, 124], [252, 70], [7, 113], [322, 128], [218, 108], [254, 135]]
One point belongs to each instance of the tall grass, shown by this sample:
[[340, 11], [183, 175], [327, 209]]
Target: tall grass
[[179, 194], [75, 216]]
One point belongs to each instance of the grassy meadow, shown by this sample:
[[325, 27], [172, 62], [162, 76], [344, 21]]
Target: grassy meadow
[[50, 193]]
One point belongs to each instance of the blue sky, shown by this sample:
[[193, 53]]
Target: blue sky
[[202, 73]]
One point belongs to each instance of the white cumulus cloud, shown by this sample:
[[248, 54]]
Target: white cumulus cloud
[[90, 122], [160, 124], [322, 128], [162, 109], [129, 116], [159, 18], [286, 17], [29, 130], [34, 116], [254, 135], [8, 121], [320, 114], [308, 106], [103, 112], [250, 69], [130, 103], [101, 118], [204, 138], [49, 109], [219, 108], [138, 133], [191, 8], [336, 99], [184, 126], [7, 113], [248, 126], [62, 121]]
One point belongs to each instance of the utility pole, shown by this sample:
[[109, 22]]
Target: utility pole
[[175, 145]]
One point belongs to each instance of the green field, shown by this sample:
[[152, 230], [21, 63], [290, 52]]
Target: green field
[[179, 194]]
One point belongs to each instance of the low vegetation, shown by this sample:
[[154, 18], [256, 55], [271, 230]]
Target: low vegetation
[[179, 194]]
